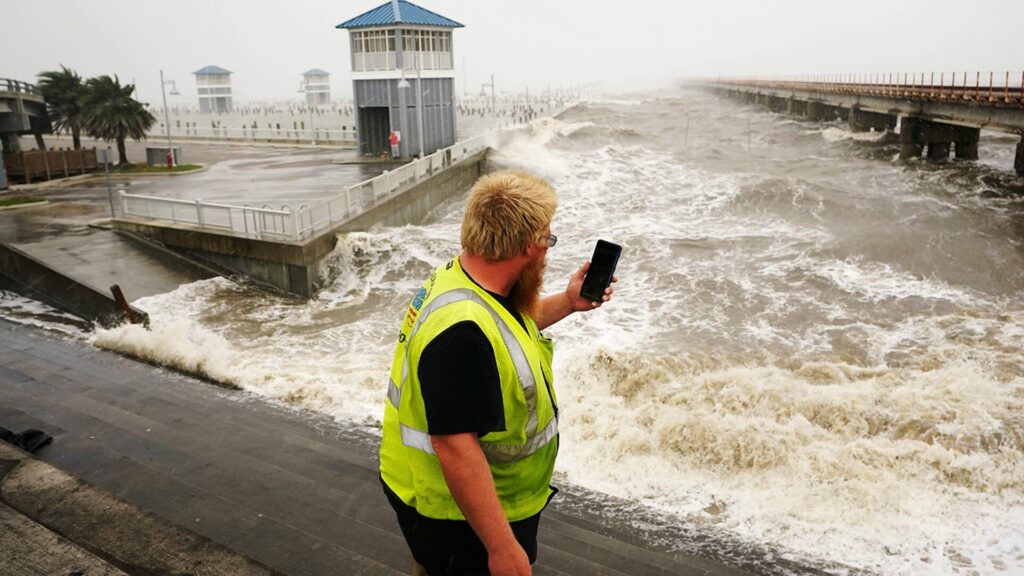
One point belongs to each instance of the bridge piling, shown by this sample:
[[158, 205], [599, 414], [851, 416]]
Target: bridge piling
[[10, 142], [940, 138], [864, 121], [1018, 161], [814, 111]]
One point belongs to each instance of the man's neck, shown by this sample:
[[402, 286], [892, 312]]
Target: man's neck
[[498, 277]]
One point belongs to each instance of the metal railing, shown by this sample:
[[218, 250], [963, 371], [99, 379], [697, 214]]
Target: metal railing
[[260, 134], [989, 88], [18, 87], [411, 60], [286, 224], [364, 61]]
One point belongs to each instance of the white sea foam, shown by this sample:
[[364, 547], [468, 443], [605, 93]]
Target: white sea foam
[[834, 134], [22, 310]]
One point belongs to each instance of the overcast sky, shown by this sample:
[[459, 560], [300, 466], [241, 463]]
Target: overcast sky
[[639, 44]]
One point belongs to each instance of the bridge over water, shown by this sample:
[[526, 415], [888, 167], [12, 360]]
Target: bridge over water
[[22, 111], [937, 113]]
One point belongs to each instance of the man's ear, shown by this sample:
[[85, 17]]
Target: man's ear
[[531, 249]]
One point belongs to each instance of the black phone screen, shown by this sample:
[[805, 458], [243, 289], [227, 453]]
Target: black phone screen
[[602, 268]]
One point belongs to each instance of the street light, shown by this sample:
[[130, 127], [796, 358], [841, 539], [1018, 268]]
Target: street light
[[404, 84], [303, 89], [483, 92], [167, 118]]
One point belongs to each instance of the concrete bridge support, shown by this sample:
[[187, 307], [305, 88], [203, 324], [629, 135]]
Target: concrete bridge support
[[863, 121], [797, 107], [916, 134], [821, 111], [10, 141], [1018, 162]]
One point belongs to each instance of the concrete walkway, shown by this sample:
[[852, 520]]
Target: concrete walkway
[[293, 491]]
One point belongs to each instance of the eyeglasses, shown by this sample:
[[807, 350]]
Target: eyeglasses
[[552, 240]]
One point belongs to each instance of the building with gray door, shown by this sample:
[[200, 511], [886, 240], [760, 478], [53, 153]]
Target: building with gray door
[[316, 84], [403, 78], [214, 86]]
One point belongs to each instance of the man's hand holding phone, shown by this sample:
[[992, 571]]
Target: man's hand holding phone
[[591, 285]]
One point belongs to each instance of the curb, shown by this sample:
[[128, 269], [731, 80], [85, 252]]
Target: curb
[[130, 176], [25, 205]]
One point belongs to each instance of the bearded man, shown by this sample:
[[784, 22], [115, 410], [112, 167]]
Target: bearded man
[[471, 420]]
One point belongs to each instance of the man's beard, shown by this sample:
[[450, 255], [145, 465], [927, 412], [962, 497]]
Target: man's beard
[[525, 294]]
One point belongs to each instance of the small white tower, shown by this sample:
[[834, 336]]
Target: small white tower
[[214, 85], [316, 83], [403, 78]]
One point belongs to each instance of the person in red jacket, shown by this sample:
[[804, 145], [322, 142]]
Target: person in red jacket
[[393, 140]]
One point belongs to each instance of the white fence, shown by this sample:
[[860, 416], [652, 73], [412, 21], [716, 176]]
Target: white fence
[[260, 134], [288, 224]]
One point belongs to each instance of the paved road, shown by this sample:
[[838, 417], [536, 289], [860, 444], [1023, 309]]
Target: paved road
[[292, 490]]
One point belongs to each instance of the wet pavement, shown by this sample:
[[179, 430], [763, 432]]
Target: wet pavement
[[63, 234], [238, 174]]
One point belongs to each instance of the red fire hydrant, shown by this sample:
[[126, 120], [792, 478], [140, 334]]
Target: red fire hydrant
[[170, 160]]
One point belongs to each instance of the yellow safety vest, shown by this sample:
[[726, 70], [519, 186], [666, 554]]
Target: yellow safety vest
[[522, 456]]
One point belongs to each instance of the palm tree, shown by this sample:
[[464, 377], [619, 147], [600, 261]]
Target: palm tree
[[64, 91], [110, 113]]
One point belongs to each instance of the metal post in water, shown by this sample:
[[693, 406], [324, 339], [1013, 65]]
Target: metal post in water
[[122, 302]]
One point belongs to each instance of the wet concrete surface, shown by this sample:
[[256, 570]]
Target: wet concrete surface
[[100, 258], [59, 234], [239, 174]]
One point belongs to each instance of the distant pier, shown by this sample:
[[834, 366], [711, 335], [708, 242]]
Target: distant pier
[[938, 116]]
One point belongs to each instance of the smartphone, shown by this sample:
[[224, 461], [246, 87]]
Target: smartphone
[[602, 268]]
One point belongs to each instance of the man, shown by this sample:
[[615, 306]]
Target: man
[[471, 420]]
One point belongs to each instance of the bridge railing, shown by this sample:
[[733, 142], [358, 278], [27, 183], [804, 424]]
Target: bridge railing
[[288, 224], [18, 87], [989, 88]]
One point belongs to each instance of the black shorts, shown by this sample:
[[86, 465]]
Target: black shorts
[[450, 547]]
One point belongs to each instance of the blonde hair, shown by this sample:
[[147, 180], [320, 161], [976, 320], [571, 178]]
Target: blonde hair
[[506, 211]]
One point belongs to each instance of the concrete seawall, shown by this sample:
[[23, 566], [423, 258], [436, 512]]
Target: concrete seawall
[[294, 266]]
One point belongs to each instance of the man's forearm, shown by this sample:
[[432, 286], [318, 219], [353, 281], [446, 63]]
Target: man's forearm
[[552, 309], [469, 480]]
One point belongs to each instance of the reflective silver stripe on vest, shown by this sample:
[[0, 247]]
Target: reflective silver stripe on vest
[[505, 453], [394, 393], [501, 453], [414, 438], [495, 453]]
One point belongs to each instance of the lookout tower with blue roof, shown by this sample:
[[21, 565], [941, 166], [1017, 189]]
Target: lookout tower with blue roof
[[316, 83], [214, 86], [403, 78]]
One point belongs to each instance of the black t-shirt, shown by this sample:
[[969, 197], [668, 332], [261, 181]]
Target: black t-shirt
[[459, 379]]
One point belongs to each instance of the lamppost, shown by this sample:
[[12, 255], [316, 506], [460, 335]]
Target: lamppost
[[167, 118], [483, 92], [403, 84], [304, 89]]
